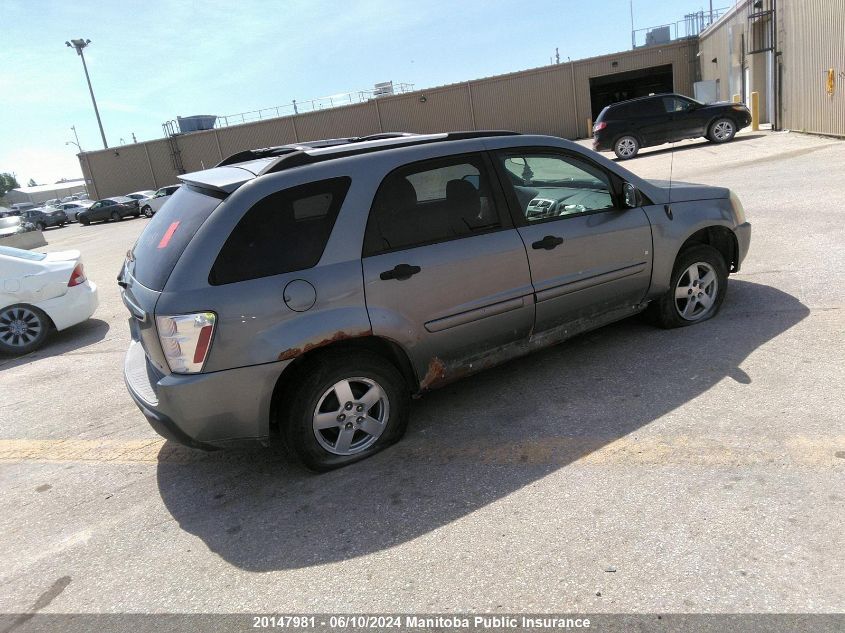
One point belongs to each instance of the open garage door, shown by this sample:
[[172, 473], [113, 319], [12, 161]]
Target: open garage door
[[609, 89]]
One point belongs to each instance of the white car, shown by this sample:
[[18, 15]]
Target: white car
[[141, 195], [149, 207], [72, 208], [40, 292]]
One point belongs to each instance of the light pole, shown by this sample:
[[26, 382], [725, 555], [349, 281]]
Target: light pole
[[79, 45]]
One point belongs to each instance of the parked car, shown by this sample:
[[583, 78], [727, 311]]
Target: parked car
[[114, 208], [13, 225], [627, 126], [309, 305], [44, 217], [150, 206], [141, 195], [40, 292], [71, 209], [52, 202], [22, 206], [72, 198]]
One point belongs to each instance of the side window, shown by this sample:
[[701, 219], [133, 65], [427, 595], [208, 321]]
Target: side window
[[284, 232], [673, 104], [432, 201], [551, 186]]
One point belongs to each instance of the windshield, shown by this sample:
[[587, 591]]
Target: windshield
[[164, 239]]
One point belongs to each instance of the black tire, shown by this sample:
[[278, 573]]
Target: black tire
[[626, 147], [301, 398], [84, 221], [722, 130], [40, 226], [34, 318], [61, 225], [147, 211], [665, 311], [116, 217]]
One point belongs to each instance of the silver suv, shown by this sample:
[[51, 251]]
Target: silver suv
[[304, 293]]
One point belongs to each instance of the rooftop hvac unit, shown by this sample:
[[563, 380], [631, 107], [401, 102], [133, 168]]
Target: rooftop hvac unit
[[660, 35], [196, 123], [383, 89]]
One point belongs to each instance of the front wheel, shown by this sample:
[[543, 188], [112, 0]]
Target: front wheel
[[698, 286], [84, 221], [23, 329], [115, 216], [344, 408], [40, 226], [147, 211], [626, 147], [721, 131]]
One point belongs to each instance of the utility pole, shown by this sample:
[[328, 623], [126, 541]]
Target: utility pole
[[557, 56], [79, 44], [134, 140], [633, 37]]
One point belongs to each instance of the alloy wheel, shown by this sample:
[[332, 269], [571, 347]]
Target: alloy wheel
[[626, 147], [351, 416], [19, 326], [696, 291], [723, 130]]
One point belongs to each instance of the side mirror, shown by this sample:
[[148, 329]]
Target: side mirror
[[630, 195]]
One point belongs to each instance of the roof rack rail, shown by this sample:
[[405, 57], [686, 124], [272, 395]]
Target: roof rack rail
[[300, 158], [281, 150]]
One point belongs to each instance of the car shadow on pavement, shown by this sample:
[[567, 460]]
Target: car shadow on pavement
[[470, 443], [668, 149], [69, 340]]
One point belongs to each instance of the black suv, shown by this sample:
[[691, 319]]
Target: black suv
[[627, 126], [42, 217]]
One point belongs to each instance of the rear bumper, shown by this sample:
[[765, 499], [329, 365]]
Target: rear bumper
[[204, 411], [75, 306], [601, 144]]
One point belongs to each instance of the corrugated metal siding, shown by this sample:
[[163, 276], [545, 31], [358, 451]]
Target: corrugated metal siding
[[445, 109], [352, 120], [538, 100], [813, 41]]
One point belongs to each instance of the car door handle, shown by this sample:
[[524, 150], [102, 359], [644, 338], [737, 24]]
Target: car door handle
[[548, 243], [400, 272]]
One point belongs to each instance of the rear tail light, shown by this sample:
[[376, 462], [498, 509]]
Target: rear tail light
[[185, 340], [77, 276], [598, 127]]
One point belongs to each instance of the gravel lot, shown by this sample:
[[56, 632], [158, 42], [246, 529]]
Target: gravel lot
[[706, 466]]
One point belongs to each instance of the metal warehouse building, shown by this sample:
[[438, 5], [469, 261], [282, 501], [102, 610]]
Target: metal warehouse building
[[560, 99], [791, 52]]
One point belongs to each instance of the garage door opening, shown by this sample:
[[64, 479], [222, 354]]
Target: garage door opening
[[609, 89]]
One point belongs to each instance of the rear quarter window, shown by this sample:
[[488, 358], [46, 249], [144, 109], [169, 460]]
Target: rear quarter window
[[284, 232], [171, 229]]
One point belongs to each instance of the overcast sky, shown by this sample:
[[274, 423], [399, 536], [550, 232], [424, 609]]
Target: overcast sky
[[152, 60]]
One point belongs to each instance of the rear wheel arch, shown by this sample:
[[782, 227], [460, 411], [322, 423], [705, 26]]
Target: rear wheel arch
[[719, 237], [387, 349]]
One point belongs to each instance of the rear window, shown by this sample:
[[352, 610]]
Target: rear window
[[284, 232], [164, 240]]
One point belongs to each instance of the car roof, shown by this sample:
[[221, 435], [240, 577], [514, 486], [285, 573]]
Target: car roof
[[228, 176]]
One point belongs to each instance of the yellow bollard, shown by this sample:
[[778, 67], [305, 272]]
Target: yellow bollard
[[755, 111], [589, 127], [737, 99]]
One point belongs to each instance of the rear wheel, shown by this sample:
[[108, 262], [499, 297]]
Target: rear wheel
[[115, 216], [721, 131], [345, 407], [84, 221], [147, 211], [697, 290], [23, 329], [626, 147], [40, 226]]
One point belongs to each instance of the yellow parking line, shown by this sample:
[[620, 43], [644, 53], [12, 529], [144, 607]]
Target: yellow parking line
[[798, 451]]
